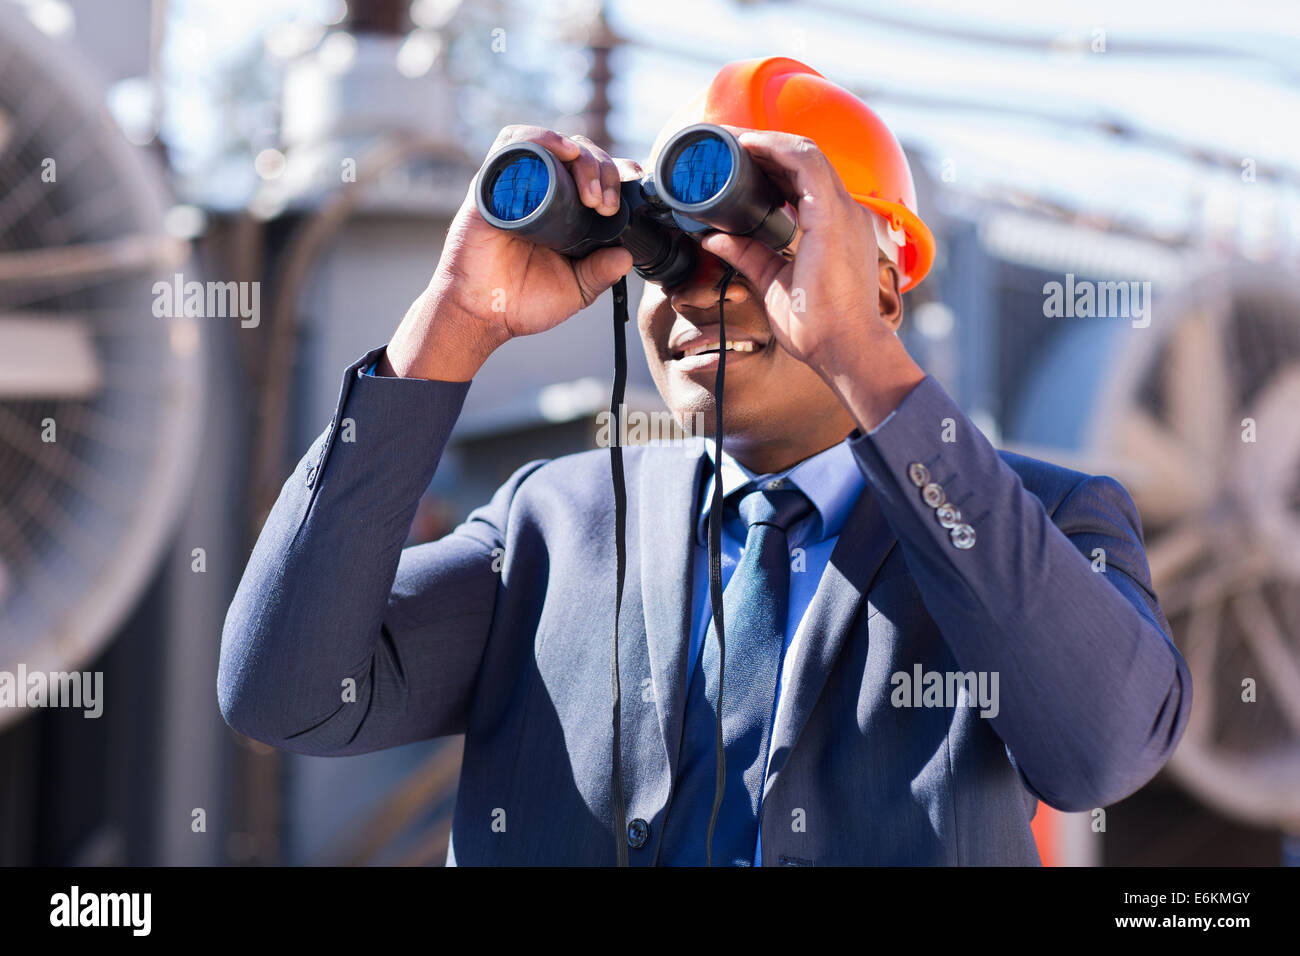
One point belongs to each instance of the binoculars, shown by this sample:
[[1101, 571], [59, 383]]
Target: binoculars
[[703, 180]]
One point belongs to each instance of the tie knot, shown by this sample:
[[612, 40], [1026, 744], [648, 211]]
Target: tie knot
[[781, 507]]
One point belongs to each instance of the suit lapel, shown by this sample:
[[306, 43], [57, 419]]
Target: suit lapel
[[863, 544], [669, 480]]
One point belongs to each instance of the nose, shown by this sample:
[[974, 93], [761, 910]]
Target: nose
[[700, 290]]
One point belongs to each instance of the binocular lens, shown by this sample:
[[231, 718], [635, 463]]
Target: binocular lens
[[709, 180], [700, 170], [523, 189], [519, 187]]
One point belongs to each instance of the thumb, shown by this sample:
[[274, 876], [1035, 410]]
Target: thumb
[[600, 270]]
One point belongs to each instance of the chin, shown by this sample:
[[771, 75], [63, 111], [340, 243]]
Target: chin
[[744, 423]]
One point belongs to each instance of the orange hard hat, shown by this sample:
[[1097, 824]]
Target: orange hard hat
[[781, 94]]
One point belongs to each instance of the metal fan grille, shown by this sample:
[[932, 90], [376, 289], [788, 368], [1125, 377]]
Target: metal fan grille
[[1221, 518], [82, 518]]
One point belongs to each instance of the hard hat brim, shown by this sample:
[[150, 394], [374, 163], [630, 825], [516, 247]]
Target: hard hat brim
[[918, 254]]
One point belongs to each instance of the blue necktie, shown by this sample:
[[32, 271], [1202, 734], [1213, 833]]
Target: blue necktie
[[755, 603]]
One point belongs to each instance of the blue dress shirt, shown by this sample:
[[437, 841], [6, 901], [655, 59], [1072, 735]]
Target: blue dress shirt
[[832, 481]]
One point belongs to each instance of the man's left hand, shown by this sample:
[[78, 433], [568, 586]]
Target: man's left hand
[[825, 304]]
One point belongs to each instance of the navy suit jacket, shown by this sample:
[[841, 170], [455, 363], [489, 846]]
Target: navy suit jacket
[[501, 631]]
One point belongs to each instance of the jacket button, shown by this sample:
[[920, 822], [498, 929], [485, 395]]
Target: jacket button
[[933, 494], [963, 537], [919, 474], [949, 516], [638, 831]]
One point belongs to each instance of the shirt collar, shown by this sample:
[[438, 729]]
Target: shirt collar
[[831, 479]]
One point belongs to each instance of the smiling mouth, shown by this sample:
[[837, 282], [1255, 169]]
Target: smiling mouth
[[705, 349]]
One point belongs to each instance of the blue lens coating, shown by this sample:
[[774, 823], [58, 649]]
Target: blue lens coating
[[519, 187], [700, 170]]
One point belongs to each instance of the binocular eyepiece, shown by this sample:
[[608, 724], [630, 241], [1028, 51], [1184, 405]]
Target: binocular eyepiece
[[704, 179]]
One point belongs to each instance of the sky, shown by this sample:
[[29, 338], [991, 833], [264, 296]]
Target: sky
[[1002, 95], [1015, 94]]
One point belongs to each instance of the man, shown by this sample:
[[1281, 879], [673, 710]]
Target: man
[[922, 636]]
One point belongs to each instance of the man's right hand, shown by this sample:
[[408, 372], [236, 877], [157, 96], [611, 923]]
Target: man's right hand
[[491, 285]]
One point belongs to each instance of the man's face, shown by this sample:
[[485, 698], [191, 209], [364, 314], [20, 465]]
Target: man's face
[[771, 399]]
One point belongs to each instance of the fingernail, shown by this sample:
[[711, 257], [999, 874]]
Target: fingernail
[[594, 186], [611, 197]]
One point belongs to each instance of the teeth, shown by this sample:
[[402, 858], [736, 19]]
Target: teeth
[[732, 346]]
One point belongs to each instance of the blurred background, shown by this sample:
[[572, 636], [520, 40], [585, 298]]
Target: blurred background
[[318, 148]]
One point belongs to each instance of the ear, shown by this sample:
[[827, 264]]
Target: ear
[[891, 300]]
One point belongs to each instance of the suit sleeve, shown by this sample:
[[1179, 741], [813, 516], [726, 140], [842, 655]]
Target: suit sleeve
[[1093, 695], [321, 651]]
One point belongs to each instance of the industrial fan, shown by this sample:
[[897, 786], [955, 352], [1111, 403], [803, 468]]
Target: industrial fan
[[99, 397], [1199, 416]]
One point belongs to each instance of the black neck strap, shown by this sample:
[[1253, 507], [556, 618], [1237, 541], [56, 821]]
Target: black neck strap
[[620, 551], [620, 560], [715, 566]]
